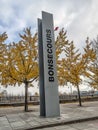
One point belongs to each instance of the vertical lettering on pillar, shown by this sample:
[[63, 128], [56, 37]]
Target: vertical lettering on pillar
[[50, 55]]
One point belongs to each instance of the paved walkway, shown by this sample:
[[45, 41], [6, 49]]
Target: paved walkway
[[88, 125], [14, 118]]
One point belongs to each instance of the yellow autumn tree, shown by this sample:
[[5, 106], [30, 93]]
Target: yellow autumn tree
[[21, 62], [91, 57], [71, 67], [74, 65], [61, 43], [94, 67], [3, 38], [94, 77]]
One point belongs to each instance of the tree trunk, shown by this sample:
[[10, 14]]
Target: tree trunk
[[80, 104], [26, 97]]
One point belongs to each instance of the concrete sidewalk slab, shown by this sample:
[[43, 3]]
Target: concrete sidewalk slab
[[70, 113]]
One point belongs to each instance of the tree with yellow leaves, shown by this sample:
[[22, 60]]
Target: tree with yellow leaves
[[71, 67], [61, 43], [94, 77], [3, 37], [21, 62], [93, 66], [74, 65]]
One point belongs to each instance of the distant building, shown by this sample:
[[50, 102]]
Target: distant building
[[3, 93], [96, 93], [75, 93], [83, 93]]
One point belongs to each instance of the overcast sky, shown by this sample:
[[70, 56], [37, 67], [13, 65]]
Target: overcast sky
[[78, 17]]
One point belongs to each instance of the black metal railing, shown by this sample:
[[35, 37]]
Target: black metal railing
[[21, 99]]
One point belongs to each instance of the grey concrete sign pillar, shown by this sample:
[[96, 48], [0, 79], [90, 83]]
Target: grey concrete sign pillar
[[49, 97]]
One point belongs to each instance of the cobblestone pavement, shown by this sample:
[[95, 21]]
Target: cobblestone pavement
[[14, 118]]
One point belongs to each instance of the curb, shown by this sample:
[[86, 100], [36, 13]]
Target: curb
[[63, 123]]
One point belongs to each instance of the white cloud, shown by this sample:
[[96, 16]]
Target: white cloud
[[79, 17]]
